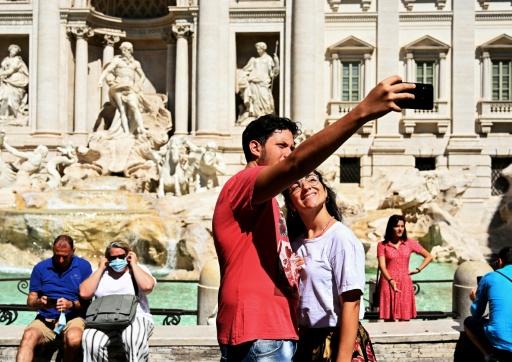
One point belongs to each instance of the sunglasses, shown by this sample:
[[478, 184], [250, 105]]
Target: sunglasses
[[114, 257]]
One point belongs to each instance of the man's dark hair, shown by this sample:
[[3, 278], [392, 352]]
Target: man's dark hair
[[262, 128], [64, 239], [505, 255]]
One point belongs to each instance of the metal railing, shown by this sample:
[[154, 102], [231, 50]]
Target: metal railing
[[372, 308], [9, 312]]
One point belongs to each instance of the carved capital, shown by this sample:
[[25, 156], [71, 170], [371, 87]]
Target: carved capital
[[110, 39], [81, 31], [182, 29]]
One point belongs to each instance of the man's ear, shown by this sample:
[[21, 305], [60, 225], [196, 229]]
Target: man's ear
[[255, 148]]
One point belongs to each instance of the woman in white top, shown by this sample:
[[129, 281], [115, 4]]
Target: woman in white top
[[117, 272], [332, 278]]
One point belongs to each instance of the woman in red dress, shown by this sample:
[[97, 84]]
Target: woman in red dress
[[396, 294]]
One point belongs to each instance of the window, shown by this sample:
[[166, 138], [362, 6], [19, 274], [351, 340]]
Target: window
[[350, 170], [501, 80], [499, 184], [425, 163], [426, 73], [350, 83]]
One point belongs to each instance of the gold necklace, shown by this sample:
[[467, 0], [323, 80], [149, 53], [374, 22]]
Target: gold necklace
[[324, 228]]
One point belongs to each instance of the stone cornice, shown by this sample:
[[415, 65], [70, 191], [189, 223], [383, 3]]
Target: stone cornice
[[101, 20], [423, 17], [351, 17], [16, 17], [493, 15], [258, 14]]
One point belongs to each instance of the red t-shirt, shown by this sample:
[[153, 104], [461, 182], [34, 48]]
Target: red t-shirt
[[252, 305]]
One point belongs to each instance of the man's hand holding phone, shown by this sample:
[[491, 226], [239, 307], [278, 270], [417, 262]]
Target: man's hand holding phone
[[423, 97]]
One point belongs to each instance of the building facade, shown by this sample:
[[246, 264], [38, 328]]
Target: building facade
[[331, 53]]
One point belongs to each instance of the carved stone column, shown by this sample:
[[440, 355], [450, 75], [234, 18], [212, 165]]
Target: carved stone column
[[108, 54], [48, 70], [486, 76], [81, 34], [170, 74], [181, 30]]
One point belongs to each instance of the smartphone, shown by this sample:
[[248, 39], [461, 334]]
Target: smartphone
[[423, 97], [478, 278], [51, 302]]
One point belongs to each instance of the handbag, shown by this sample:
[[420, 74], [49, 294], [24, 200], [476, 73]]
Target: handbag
[[111, 312], [115, 311]]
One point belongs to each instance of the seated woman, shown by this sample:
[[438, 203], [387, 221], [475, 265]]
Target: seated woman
[[332, 279], [119, 273]]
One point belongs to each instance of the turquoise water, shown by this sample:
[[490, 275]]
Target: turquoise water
[[432, 297]]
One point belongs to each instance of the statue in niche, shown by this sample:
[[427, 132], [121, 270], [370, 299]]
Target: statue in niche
[[133, 125], [124, 76], [13, 84], [254, 85], [30, 168]]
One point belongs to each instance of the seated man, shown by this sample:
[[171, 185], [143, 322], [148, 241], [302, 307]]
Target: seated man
[[54, 287], [493, 336]]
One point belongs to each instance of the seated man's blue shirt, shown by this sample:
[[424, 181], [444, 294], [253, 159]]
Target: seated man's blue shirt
[[497, 290], [46, 280]]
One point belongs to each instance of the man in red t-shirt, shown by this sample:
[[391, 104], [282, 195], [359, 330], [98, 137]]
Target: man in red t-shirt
[[257, 295]]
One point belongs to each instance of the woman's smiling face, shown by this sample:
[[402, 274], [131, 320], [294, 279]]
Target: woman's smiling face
[[307, 193]]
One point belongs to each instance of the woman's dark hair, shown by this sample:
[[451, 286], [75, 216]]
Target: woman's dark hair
[[505, 255], [392, 222], [262, 128], [294, 223]]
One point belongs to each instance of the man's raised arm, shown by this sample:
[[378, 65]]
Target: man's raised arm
[[312, 152]]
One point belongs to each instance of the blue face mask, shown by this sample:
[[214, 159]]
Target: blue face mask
[[61, 323], [118, 265]]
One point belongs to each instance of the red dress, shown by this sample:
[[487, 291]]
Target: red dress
[[397, 305]]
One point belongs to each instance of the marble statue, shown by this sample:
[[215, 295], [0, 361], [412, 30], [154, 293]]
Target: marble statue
[[254, 85], [13, 84], [133, 126], [187, 168], [67, 157], [178, 173], [210, 165], [125, 77], [30, 167]]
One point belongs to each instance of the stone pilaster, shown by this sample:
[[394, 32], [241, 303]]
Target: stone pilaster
[[170, 74], [181, 30], [209, 59], [48, 72], [367, 73], [109, 40], [81, 33], [486, 76], [305, 53], [335, 79], [387, 60], [409, 67], [442, 77]]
